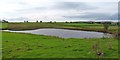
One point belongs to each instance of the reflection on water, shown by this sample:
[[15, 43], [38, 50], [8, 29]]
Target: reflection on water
[[64, 33]]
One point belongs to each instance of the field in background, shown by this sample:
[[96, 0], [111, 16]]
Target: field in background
[[75, 26]]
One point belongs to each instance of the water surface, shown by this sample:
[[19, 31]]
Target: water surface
[[64, 33]]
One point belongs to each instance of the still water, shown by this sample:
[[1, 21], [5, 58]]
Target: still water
[[64, 33]]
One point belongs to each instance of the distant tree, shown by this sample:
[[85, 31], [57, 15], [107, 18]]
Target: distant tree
[[70, 21], [4, 21], [27, 21], [66, 22], [50, 21], [37, 21], [118, 23], [90, 22], [54, 21], [40, 21]]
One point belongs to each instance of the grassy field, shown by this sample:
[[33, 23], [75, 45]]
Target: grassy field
[[19, 45]]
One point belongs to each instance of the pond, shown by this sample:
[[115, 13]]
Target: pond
[[65, 33]]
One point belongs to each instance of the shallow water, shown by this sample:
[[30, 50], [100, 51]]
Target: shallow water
[[64, 33]]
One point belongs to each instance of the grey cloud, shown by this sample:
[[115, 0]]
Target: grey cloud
[[99, 16], [74, 5], [63, 6], [96, 16], [32, 9]]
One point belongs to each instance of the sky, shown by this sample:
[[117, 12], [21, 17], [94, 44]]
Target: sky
[[58, 10]]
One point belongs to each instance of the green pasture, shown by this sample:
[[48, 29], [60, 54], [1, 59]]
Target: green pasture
[[19, 45]]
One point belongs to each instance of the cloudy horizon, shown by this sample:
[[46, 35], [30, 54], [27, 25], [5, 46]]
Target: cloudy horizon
[[54, 10]]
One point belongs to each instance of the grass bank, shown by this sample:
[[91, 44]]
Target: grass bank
[[19, 45]]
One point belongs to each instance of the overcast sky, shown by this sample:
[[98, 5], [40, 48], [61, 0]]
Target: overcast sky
[[58, 10]]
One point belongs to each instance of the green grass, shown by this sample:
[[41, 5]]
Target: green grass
[[27, 26], [82, 24], [19, 45], [3, 25], [93, 27]]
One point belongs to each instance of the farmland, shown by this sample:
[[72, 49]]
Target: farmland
[[21, 45]]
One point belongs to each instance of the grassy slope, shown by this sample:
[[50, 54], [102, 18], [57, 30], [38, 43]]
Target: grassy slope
[[18, 45]]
